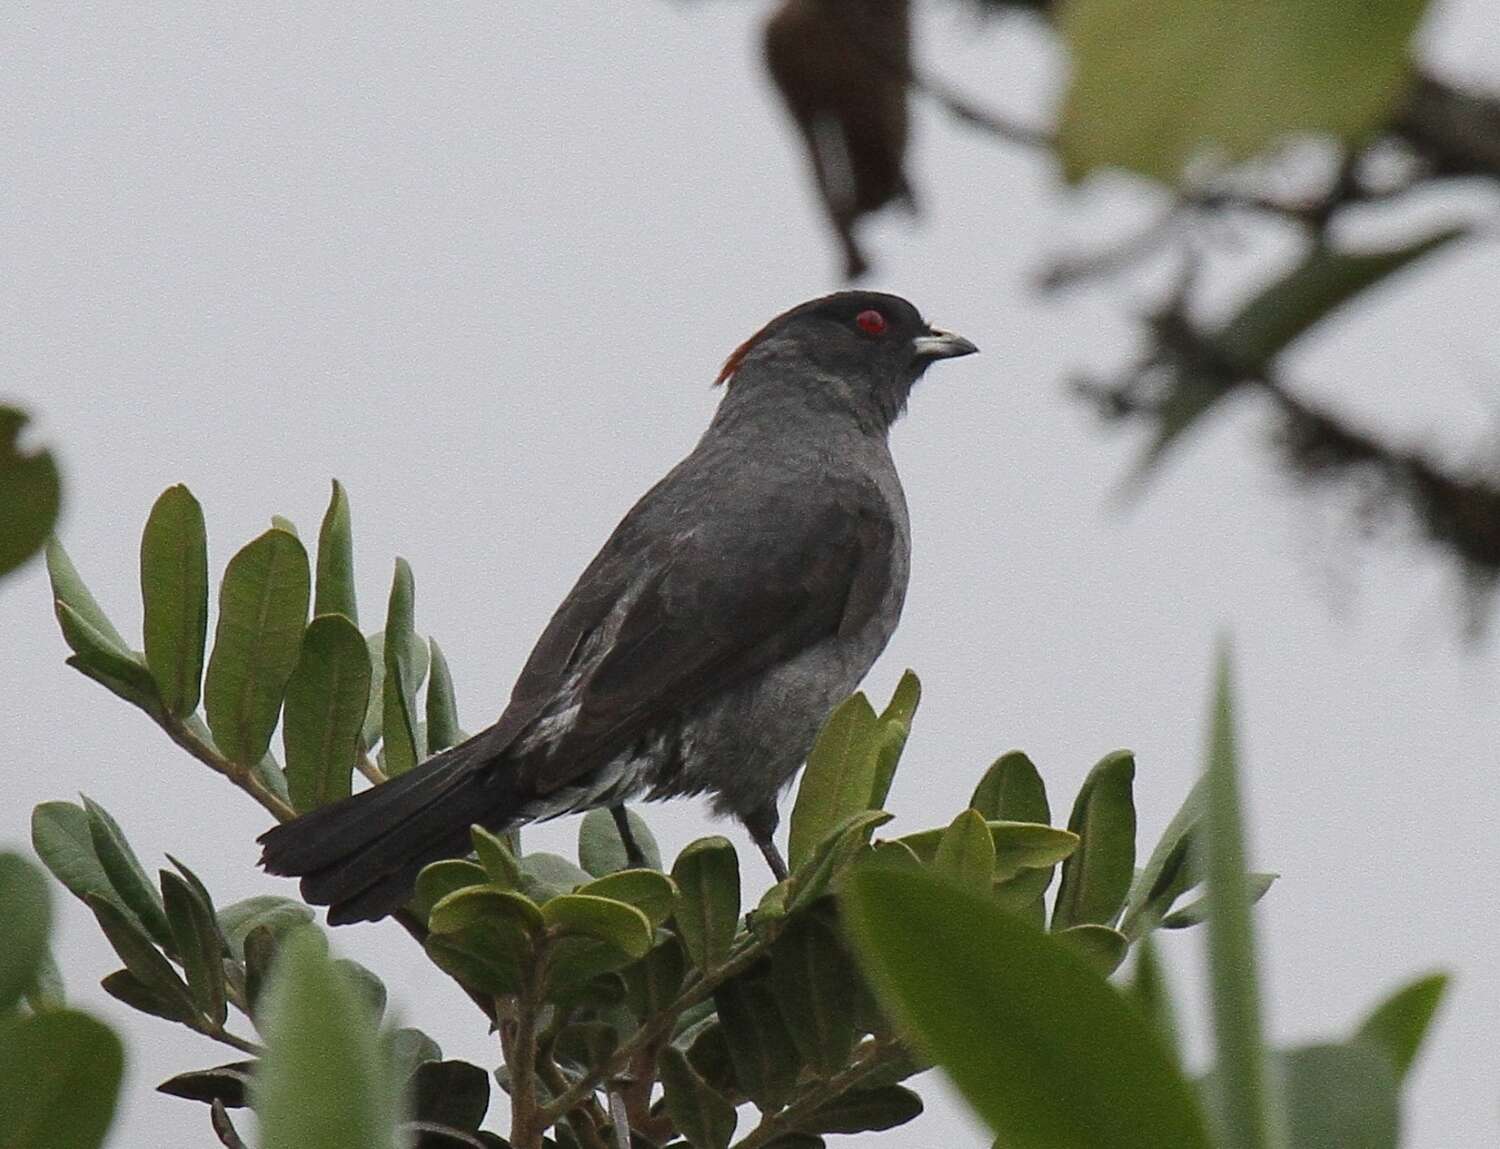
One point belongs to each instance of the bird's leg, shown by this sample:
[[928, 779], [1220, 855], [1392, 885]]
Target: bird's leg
[[762, 826], [633, 853]]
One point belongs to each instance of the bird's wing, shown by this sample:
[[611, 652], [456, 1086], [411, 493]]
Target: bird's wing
[[714, 607]]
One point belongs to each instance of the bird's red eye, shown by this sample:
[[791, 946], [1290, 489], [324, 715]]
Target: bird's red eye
[[871, 322]]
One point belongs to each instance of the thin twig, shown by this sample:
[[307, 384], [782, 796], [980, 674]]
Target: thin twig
[[774, 1125], [241, 776], [244, 1045], [526, 1117]]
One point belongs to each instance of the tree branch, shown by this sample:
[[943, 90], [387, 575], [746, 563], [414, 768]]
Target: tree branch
[[774, 1125]]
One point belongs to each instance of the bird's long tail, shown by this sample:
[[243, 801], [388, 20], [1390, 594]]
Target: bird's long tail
[[360, 856]]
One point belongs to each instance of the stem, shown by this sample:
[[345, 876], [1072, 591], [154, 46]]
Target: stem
[[774, 1125], [244, 1045], [526, 1124], [366, 766], [194, 744]]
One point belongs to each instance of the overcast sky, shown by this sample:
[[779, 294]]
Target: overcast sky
[[481, 262]]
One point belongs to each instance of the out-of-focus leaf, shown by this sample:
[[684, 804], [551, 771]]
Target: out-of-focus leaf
[[174, 594], [324, 1079], [1322, 283], [966, 852], [1012, 791], [442, 708], [1244, 1104], [1018, 846], [650, 891], [399, 724], [197, 942], [1101, 946], [227, 1084], [1149, 991], [1097, 876], [30, 494], [335, 582], [143, 960], [279, 915], [601, 850], [1015, 1012], [59, 1080], [612, 922], [865, 1111], [370, 987], [1346, 1096], [766, 1062], [815, 990], [125, 873], [46, 992], [707, 873], [1399, 1023], [839, 779], [1199, 911], [495, 856], [698, 1111], [26, 916], [262, 613], [453, 1093], [1157, 82], [326, 698], [259, 948], [546, 875]]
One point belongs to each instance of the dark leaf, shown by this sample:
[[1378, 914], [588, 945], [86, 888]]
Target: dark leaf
[[224, 1128], [30, 494], [227, 1084], [865, 1111], [766, 1062], [652, 983], [143, 960], [452, 1093], [698, 1111], [198, 944], [815, 989]]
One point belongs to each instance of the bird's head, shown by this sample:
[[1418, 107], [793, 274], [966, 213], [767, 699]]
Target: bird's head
[[857, 349]]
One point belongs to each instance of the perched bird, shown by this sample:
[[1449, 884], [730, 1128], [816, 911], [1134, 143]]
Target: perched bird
[[736, 604]]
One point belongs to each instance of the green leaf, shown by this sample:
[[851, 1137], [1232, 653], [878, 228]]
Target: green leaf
[[546, 875], [766, 1063], [407, 1049], [707, 873], [1022, 893], [904, 701], [1100, 946], [614, 923], [279, 915], [831, 857], [335, 583], [966, 852], [1018, 846], [601, 850], [1168, 872], [652, 983], [370, 987], [262, 613], [30, 494], [326, 698], [1097, 876], [399, 709], [1400, 1022], [1199, 911], [1014, 1013], [650, 891], [46, 993], [1149, 991], [865, 1111], [282, 523], [1157, 82], [196, 940], [59, 1081], [1012, 791], [259, 949], [810, 976], [442, 708], [61, 837], [699, 1112], [439, 879], [839, 779], [463, 908], [1245, 1105], [1340, 1095], [174, 593], [125, 873], [1309, 293], [142, 959], [120, 671], [26, 914], [324, 1079], [486, 955], [68, 588], [496, 858], [895, 725], [376, 712]]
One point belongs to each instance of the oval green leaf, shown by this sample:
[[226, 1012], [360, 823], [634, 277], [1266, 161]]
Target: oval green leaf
[[601, 850], [442, 708], [966, 852], [707, 873], [616, 924], [30, 494], [174, 595], [839, 779], [650, 891], [326, 698], [1012, 790], [439, 879], [59, 1081], [463, 908], [1096, 877]]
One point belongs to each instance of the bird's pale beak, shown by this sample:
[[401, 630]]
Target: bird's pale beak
[[938, 344]]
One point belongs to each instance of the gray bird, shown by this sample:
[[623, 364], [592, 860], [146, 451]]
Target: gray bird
[[736, 604]]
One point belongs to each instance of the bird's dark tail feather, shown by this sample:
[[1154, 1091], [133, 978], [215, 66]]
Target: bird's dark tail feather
[[360, 856]]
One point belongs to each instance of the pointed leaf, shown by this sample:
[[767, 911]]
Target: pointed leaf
[[1100, 946], [707, 873], [125, 873], [326, 698], [399, 722], [26, 914], [601, 850], [1014, 1013], [699, 1112], [262, 613], [174, 593], [227, 1084], [197, 942], [324, 1079], [616, 924], [141, 958], [1012, 791], [335, 584], [1168, 873], [839, 779], [59, 1081], [1199, 911], [442, 707], [496, 858], [810, 976], [831, 857], [1097, 876], [895, 724], [61, 837], [904, 701], [122, 672], [865, 1111], [650, 891], [68, 588], [1018, 846], [1399, 1023], [966, 852]]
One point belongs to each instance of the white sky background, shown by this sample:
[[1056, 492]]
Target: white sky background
[[481, 262]]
